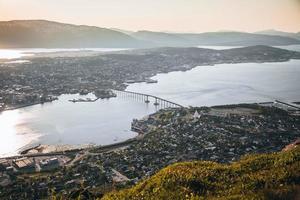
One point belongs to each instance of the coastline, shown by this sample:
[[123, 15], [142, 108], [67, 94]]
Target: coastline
[[40, 150], [36, 103]]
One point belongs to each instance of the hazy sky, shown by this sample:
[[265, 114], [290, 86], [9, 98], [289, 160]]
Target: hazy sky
[[162, 15]]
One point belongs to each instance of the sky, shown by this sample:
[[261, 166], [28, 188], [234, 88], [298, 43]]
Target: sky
[[162, 15]]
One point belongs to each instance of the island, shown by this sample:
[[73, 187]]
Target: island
[[43, 79]]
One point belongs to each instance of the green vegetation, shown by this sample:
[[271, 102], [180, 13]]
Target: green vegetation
[[261, 176]]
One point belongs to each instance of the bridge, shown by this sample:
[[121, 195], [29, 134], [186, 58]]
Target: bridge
[[157, 101]]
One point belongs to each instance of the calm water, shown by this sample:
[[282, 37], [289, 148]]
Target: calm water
[[228, 84], [63, 122]]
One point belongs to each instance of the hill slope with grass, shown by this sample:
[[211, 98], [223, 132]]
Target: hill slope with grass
[[261, 176]]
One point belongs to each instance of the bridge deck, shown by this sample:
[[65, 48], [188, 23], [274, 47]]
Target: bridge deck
[[148, 95]]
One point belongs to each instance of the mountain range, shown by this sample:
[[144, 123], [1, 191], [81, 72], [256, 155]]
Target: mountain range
[[48, 34], [280, 33]]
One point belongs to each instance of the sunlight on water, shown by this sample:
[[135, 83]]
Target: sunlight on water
[[10, 54], [19, 53], [17, 62], [63, 122], [14, 136]]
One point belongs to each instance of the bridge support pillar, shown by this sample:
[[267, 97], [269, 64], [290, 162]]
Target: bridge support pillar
[[156, 102], [147, 99]]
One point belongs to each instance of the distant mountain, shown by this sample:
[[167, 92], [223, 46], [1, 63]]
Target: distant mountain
[[193, 56], [213, 39], [122, 31], [239, 39], [274, 32], [163, 39], [47, 34], [280, 33]]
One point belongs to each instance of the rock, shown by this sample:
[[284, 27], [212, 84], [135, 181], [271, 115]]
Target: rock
[[292, 145]]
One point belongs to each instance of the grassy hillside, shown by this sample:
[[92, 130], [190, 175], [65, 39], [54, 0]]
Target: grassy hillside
[[263, 176]]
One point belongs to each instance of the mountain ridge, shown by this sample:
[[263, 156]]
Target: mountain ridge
[[220, 38], [279, 33], [49, 34]]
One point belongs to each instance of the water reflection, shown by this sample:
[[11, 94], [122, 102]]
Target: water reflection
[[14, 134], [19, 53], [12, 54]]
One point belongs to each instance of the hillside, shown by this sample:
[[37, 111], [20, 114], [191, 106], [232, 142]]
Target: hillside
[[188, 55], [259, 52], [47, 34], [261, 176], [239, 39], [213, 39], [280, 33]]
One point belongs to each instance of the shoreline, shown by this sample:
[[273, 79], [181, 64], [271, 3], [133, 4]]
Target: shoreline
[[57, 96], [21, 106], [76, 150]]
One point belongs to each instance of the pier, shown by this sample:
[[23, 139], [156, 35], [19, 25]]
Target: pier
[[147, 98]]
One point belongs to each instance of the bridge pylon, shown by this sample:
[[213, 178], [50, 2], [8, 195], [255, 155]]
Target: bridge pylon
[[147, 99]]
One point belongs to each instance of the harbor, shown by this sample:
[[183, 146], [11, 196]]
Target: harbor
[[42, 124]]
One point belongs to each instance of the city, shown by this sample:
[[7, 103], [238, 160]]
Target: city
[[150, 100], [221, 133]]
